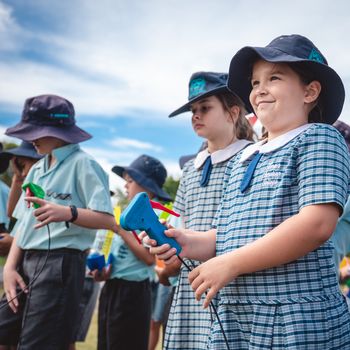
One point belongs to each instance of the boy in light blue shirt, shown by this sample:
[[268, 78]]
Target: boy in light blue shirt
[[125, 300], [50, 241]]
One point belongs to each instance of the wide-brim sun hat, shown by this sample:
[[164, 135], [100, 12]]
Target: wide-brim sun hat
[[25, 149], [289, 49], [201, 85], [149, 173], [48, 115]]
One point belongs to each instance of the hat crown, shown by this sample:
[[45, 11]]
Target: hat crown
[[48, 110], [299, 47], [150, 168], [203, 82]]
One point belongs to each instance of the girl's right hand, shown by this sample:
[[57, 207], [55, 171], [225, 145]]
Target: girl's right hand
[[165, 252]]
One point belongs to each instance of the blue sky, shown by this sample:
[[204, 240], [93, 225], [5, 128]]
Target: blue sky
[[125, 64]]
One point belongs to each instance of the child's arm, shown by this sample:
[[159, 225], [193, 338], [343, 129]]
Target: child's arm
[[138, 249], [195, 245], [289, 241], [51, 212], [12, 278]]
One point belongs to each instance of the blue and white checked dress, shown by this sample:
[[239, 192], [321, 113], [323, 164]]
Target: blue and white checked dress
[[296, 305], [189, 325]]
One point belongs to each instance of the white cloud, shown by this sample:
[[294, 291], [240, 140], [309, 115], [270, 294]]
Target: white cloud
[[125, 143]]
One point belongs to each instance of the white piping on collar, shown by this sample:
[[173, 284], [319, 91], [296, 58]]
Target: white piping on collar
[[278, 142], [221, 155]]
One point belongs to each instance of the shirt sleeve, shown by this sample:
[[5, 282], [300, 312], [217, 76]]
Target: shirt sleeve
[[323, 168], [93, 186]]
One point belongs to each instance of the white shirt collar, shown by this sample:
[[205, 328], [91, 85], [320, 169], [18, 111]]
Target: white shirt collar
[[278, 142], [220, 155]]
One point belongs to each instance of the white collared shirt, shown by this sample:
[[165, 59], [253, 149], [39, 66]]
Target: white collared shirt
[[270, 146], [221, 155]]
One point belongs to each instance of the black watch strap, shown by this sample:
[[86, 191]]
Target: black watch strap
[[74, 212]]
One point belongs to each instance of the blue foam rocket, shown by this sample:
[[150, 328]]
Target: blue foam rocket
[[139, 215]]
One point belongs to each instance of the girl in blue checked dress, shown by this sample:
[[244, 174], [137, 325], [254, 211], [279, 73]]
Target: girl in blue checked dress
[[218, 117], [273, 267]]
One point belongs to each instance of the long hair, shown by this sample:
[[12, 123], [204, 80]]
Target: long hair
[[243, 129]]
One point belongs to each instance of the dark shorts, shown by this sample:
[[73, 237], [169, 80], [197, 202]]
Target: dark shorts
[[48, 313], [124, 315]]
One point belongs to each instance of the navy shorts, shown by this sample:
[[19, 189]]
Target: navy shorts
[[47, 315], [124, 315]]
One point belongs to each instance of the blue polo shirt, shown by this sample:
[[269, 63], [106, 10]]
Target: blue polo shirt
[[4, 194], [75, 179]]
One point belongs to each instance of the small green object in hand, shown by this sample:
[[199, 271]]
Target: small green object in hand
[[33, 190]]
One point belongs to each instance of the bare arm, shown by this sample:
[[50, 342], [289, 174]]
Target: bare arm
[[195, 245], [51, 212], [289, 241], [138, 249]]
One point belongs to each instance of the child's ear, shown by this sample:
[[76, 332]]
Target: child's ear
[[234, 113], [312, 91]]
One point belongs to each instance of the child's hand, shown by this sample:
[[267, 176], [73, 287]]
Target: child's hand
[[165, 252], [49, 212], [211, 276], [102, 275], [12, 279], [163, 278]]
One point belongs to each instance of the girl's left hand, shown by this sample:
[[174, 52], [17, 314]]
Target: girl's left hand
[[211, 276], [49, 212]]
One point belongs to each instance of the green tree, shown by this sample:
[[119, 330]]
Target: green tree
[[170, 186]]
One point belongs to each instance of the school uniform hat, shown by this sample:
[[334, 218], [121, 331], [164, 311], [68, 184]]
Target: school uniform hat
[[344, 129], [289, 49], [48, 115], [25, 149], [148, 172], [202, 84]]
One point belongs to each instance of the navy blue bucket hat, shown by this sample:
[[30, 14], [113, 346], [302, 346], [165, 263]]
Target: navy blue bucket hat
[[203, 84], [25, 149], [289, 49], [48, 115], [148, 172]]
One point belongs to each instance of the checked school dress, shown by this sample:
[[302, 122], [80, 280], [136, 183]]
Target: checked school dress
[[296, 305], [189, 325]]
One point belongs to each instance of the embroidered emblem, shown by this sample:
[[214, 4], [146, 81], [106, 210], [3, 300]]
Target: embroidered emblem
[[197, 86], [272, 176], [59, 115], [315, 56]]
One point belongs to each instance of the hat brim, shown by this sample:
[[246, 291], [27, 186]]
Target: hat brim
[[332, 91], [20, 152], [186, 107], [30, 132], [143, 181]]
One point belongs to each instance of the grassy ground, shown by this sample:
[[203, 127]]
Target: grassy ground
[[91, 338]]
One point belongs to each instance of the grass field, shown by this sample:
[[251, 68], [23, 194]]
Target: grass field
[[91, 338]]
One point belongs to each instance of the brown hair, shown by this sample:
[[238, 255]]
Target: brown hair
[[242, 126]]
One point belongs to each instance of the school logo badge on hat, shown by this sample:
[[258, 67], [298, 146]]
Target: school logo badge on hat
[[289, 49], [203, 84]]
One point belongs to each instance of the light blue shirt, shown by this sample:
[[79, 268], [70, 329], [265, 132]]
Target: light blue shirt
[[75, 179], [341, 236], [4, 194], [126, 265]]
